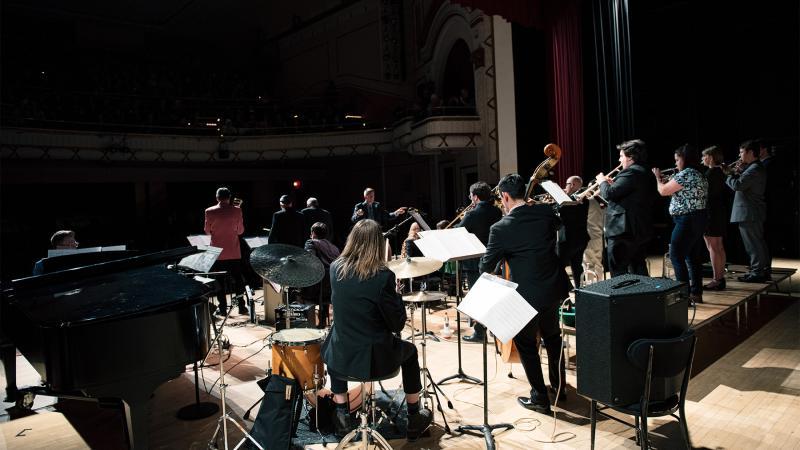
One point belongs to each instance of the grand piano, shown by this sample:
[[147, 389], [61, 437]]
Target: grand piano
[[110, 331]]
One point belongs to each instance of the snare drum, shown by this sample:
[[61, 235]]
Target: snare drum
[[296, 354]]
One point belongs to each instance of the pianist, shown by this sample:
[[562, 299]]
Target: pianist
[[61, 239]]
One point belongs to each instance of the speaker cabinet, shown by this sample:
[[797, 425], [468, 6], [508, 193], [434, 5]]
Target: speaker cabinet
[[611, 314]]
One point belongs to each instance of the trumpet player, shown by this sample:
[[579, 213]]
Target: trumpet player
[[573, 235], [477, 221], [628, 223], [750, 210], [688, 190], [717, 216]]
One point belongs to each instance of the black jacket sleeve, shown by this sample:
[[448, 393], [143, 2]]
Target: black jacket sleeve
[[391, 306]]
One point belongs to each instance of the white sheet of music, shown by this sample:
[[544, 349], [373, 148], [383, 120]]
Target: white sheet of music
[[495, 302], [557, 193], [199, 240], [450, 245], [256, 241]]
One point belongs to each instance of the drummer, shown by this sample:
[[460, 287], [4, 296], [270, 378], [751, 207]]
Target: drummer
[[368, 313]]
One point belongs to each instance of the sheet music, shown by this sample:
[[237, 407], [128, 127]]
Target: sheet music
[[73, 251], [203, 261], [450, 245], [495, 303], [556, 192], [255, 241], [415, 214], [199, 240]]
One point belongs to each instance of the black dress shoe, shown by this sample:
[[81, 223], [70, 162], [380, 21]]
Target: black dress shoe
[[543, 408], [474, 337], [341, 422], [418, 423], [753, 278], [716, 285], [562, 397]]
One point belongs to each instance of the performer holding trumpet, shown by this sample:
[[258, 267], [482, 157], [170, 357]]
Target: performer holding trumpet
[[628, 221], [689, 190]]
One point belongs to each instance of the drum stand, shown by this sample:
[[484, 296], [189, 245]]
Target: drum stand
[[428, 385], [460, 375], [413, 307], [223, 420]]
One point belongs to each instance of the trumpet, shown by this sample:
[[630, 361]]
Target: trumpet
[[593, 187], [237, 201], [730, 168], [667, 174]]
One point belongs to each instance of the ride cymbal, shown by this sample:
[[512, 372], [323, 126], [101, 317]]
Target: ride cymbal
[[414, 267], [287, 265]]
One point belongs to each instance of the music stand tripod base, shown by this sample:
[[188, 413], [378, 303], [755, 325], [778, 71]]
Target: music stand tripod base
[[459, 375], [486, 428]]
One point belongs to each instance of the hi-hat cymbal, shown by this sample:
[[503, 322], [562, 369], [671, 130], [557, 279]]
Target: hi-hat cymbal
[[424, 296], [414, 267], [287, 265]]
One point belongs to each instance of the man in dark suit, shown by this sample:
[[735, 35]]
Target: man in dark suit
[[573, 235], [224, 223], [526, 239], [630, 197], [750, 210], [313, 214], [288, 225], [478, 221], [370, 209], [776, 187]]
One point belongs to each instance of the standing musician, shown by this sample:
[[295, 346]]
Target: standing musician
[[526, 238], [313, 214], [370, 209], [288, 225], [630, 197], [224, 223], [688, 190], [573, 235], [748, 181], [717, 216], [478, 221], [363, 341]]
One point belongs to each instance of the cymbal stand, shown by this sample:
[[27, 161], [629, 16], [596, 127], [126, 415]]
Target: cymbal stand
[[225, 417], [413, 307], [460, 375], [485, 428], [428, 385], [287, 315]]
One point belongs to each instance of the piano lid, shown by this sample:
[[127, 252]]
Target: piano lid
[[104, 291]]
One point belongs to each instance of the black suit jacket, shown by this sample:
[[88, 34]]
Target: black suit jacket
[[367, 313], [478, 221], [288, 227], [526, 239], [630, 201], [574, 231], [313, 215], [379, 213]]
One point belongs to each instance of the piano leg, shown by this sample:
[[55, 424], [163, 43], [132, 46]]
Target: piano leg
[[136, 421]]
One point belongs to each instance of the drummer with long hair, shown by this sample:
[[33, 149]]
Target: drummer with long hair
[[368, 312]]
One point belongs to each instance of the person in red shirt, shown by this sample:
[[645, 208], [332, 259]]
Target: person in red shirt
[[224, 223]]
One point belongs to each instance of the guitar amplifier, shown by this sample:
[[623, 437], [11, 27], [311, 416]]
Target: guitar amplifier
[[300, 316]]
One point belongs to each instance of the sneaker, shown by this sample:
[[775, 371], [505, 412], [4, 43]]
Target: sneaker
[[418, 423]]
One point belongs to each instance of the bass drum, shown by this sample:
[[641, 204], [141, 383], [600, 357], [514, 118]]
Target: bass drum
[[353, 396]]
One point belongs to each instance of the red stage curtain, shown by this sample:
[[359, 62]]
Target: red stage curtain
[[566, 88], [561, 21]]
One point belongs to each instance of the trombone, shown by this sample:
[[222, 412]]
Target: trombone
[[594, 186]]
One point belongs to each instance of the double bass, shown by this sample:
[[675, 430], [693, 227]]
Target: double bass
[[508, 350]]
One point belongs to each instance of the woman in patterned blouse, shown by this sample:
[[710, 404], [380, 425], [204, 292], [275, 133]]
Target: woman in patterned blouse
[[689, 191]]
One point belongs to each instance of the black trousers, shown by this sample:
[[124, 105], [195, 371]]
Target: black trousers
[[627, 255], [571, 254], [233, 282], [546, 322], [409, 368]]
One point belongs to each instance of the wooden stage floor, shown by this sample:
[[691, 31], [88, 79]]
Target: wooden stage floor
[[745, 392]]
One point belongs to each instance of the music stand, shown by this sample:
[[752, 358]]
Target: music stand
[[453, 245], [495, 303]]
